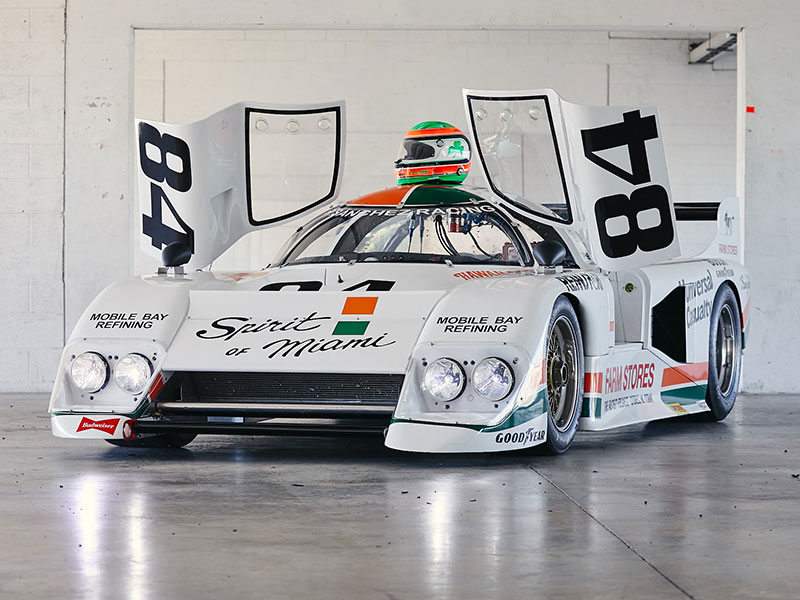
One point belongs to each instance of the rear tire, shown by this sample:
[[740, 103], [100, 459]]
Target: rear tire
[[724, 353], [564, 376], [159, 440]]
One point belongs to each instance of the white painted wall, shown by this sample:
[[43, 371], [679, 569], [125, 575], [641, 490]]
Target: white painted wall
[[98, 182], [384, 75], [31, 192]]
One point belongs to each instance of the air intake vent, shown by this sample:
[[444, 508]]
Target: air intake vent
[[316, 388]]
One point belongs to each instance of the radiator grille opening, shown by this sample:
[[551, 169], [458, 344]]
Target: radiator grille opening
[[317, 388]]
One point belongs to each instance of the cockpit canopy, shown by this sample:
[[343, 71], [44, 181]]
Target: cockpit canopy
[[464, 233]]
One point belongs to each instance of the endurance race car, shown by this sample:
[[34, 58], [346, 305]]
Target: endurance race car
[[452, 319]]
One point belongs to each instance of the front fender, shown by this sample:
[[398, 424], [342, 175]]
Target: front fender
[[137, 315], [505, 318], [151, 307]]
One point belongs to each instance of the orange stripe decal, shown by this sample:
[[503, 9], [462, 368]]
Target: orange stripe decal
[[359, 306], [156, 386], [691, 373], [593, 383], [390, 197], [432, 132]]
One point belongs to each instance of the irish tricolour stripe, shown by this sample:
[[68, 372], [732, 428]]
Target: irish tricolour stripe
[[355, 306]]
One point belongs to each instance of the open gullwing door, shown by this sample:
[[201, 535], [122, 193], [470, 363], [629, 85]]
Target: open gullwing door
[[249, 166], [600, 170]]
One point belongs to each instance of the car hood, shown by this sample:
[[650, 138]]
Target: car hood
[[363, 317]]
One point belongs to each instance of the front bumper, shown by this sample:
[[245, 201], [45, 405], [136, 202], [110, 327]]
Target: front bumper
[[434, 437]]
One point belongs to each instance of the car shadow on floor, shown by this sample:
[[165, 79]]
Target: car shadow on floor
[[360, 450]]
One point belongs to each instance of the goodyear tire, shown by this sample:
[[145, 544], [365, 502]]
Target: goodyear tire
[[160, 440], [564, 376], [724, 353]]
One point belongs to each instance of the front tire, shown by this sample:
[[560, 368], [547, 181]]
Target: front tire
[[564, 376], [159, 440], [724, 353]]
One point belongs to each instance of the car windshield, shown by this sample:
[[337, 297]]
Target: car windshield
[[464, 234]]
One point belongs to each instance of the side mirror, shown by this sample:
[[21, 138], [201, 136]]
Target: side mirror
[[175, 254], [548, 253]]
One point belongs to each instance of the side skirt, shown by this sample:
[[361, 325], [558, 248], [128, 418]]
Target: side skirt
[[634, 385]]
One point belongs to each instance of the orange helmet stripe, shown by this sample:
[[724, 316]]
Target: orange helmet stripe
[[434, 132], [433, 171]]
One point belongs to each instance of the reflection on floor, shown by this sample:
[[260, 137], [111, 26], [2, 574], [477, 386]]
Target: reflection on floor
[[674, 509]]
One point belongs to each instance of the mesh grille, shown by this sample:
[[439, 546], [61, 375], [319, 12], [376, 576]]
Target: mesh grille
[[335, 388]]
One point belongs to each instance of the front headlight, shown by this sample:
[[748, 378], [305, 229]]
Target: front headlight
[[89, 372], [444, 379], [492, 379], [132, 373]]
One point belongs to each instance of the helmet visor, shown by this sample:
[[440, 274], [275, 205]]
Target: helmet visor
[[430, 151]]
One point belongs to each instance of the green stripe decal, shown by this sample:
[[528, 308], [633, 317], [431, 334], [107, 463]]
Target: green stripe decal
[[690, 393], [523, 415], [585, 408], [350, 328], [518, 417], [477, 428]]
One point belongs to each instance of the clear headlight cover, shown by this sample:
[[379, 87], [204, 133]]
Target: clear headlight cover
[[89, 372], [444, 379], [492, 379], [132, 373]]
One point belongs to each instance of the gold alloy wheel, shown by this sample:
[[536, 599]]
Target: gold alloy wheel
[[727, 349], [562, 373]]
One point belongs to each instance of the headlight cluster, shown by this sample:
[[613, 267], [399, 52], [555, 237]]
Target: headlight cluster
[[445, 380], [90, 372], [132, 373], [492, 379]]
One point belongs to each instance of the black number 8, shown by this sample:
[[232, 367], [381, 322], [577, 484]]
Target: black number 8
[[647, 239], [166, 144]]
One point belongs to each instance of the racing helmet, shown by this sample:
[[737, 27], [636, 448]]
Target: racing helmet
[[433, 152]]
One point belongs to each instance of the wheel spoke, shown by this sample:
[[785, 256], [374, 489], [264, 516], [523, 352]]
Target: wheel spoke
[[726, 351], [562, 361]]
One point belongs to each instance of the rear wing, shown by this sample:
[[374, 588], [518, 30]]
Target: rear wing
[[696, 211], [727, 242]]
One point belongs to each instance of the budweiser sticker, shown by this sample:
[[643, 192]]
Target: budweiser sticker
[[107, 425]]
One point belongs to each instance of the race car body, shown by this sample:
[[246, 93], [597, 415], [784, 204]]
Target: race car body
[[450, 318]]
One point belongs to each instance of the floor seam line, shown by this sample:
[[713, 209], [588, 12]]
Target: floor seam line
[[604, 526]]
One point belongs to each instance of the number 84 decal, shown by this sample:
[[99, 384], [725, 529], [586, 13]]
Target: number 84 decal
[[161, 172], [632, 132]]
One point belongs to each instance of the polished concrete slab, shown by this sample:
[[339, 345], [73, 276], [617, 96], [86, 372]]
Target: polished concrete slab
[[674, 509]]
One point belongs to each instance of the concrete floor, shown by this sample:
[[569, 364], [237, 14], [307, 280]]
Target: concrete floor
[[669, 510]]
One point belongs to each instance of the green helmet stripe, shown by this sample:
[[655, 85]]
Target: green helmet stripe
[[431, 125]]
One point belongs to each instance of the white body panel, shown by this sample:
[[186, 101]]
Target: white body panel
[[643, 313], [605, 165], [295, 332], [415, 437], [202, 183]]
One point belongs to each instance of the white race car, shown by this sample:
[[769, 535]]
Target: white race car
[[451, 319]]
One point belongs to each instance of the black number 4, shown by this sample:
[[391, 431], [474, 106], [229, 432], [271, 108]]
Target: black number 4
[[154, 227], [632, 132]]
